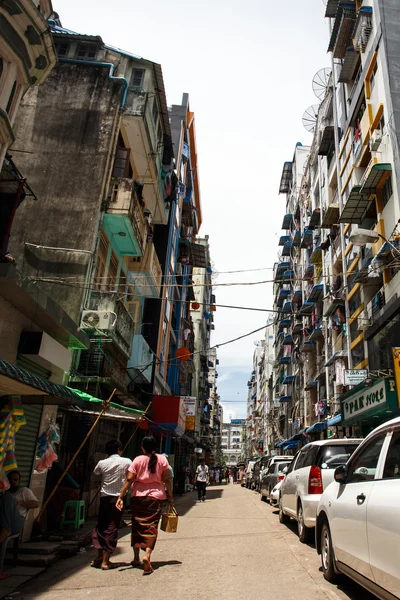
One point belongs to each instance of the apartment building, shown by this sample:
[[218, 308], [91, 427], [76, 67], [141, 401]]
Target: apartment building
[[336, 285], [231, 441]]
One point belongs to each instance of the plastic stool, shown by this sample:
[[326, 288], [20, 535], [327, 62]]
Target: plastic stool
[[73, 514]]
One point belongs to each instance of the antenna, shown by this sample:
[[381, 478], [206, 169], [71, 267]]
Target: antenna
[[320, 82], [309, 119]]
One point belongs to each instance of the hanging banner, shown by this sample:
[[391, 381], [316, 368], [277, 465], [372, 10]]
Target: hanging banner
[[190, 405]]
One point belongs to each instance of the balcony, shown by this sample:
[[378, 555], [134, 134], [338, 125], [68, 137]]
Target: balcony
[[141, 361], [125, 219], [141, 136], [97, 366], [362, 29], [122, 331], [145, 272], [342, 29], [356, 206]]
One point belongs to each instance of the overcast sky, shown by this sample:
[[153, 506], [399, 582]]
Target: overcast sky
[[248, 69]]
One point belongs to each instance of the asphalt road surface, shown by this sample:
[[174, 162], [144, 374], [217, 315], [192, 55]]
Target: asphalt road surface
[[231, 546]]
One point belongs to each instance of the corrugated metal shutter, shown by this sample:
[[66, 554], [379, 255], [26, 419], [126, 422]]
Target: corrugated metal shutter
[[25, 441]]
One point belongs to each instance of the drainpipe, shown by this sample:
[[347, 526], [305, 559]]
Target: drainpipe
[[111, 68], [340, 203]]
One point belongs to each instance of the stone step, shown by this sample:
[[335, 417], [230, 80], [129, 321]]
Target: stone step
[[37, 548], [34, 560]]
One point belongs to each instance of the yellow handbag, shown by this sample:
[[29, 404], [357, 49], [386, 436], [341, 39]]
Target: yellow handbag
[[169, 519]]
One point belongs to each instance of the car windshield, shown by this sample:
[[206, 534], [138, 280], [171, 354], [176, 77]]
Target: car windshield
[[333, 456]]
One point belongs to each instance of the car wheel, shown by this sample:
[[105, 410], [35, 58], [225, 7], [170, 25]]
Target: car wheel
[[284, 519], [327, 558], [303, 531]]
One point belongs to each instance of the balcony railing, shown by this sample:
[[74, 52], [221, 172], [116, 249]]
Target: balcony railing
[[124, 202], [136, 101], [148, 266]]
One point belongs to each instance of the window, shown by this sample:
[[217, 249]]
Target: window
[[332, 456], [62, 48], [373, 77], [154, 111], [86, 51], [301, 461], [137, 78], [358, 354], [112, 272], [99, 278], [311, 458], [11, 98], [387, 191], [364, 465], [292, 464], [354, 302], [391, 469], [122, 167]]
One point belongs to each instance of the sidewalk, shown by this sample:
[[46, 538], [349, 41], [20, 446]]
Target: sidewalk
[[232, 546]]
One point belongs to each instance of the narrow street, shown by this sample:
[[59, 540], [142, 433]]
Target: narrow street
[[232, 546]]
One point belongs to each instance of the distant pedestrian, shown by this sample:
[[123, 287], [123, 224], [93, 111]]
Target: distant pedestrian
[[235, 475], [202, 478], [113, 471], [227, 475], [212, 476], [217, 476], [221, 476]]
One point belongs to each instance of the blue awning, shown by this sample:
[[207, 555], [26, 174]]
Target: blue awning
[[309, 272], [283, 239], [287, 248], [285, 360], [316, 334], [307, 238], [335, 420], [285, 398], [316, 293], [290, 446], [307, 308], [283, 324], [319, 426], [287, 307], [287, 219], [297, 238], [281, 444], [335, 356], [297, 296], [283, 294], [288, 379], [288, 275], [287, 340]]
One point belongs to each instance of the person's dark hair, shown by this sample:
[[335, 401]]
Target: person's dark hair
[[149, 445], [113, 446], [14, 472]]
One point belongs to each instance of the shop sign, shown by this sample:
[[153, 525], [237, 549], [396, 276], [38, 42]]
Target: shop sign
[[396, 365], [237, 421], [169, 413], [190, 405], [355, 376], [374, 400]]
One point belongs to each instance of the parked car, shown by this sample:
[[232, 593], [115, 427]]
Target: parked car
[[308, 475], [274, 475], [259, 467], [358, 524], [274, 497]]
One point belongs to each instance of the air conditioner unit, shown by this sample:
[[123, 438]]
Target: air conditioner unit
[[376, 139], [103, 320], [363, 322]]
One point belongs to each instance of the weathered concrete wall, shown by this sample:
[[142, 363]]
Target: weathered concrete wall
[[67, 129]]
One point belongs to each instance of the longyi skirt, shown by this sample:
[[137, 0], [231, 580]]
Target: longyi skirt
[[146, 513]]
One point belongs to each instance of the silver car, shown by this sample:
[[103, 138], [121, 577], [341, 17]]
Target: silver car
[[310, 473], [273, 475]]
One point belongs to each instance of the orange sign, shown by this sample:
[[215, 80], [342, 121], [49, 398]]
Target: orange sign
[[396, 366]]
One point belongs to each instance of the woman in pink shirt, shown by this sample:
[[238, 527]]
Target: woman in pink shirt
[[148, 477]]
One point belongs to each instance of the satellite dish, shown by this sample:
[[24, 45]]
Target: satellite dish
[[320, 82], [309, 119]]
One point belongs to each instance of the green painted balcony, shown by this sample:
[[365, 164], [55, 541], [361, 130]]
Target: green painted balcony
[[125, 219]]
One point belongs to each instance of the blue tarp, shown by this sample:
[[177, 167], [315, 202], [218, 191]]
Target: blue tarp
[[319, 426]]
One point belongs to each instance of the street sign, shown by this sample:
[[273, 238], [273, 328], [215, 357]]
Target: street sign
[[355, 376]]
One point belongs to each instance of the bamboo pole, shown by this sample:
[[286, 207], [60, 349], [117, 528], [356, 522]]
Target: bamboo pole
[[89, 433]]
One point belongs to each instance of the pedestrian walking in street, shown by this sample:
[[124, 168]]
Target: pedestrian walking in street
[[234, 475], [221, 476], [149, 475], [217, 476], [113, 471], [202, 478], [227, 475]]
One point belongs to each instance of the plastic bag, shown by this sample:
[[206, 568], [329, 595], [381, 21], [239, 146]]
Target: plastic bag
[[4, 483], [47, 460]]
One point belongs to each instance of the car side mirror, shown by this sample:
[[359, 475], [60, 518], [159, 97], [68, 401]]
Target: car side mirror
[[341, 474], [284, 471]]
